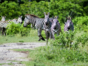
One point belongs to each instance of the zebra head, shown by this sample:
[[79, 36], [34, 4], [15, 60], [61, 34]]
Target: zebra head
[[26, 20], [19, 19], [46, 19], [68, 25], [55, 21]]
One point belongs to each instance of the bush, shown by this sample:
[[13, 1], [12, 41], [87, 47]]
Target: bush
[[71, 39], [57, 54], [10, 9], [54, 7], [81, 21], [13, 28], [64, 49]]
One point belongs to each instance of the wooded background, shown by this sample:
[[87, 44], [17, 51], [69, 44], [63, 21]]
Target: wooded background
[[62, 8]]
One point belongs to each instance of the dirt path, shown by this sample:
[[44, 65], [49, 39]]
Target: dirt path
[[9, 57]]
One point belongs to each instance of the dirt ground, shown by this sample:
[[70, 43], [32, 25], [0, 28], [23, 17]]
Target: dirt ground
[[9, 57]]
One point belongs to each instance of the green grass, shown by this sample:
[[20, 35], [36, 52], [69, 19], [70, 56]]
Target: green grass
[[54, 55], [38, 59], [2, 63], [32, 37], [50, 63]]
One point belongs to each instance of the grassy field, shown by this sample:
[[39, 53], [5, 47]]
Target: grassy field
[[38, 58], [32, 37], [54, 54]]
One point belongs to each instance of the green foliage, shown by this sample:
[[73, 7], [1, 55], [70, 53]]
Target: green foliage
[[67, 39], [63, 9], [81, 23], [13, 28], [81, 20], [67, 48], [71, 39], [10, 9], [48, 55], [31, 37], [60, 8]]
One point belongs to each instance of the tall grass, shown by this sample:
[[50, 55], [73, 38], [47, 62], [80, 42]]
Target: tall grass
[[71, 51]]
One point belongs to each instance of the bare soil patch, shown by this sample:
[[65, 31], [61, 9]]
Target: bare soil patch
[[8, 57]]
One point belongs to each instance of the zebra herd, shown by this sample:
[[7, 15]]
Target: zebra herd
[[3, 23], [49, 25]]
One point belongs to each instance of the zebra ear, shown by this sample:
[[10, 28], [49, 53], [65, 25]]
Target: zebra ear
[[56, 17]]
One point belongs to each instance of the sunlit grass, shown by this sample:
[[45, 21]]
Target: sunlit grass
[[25, 50], [38, 56], [32, 37]]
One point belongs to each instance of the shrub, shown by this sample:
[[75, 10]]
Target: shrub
[[67, 39], [64, 49], [13, 28], [57, 54], [81, 21], [10, 9], [67, 48], [71, 39], [54, 7]]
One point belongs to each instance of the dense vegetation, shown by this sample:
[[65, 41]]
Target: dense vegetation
[[67, 48], [13, 29], [62, 8]]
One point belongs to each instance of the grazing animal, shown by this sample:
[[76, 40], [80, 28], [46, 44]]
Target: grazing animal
[[36, 22], [55, 28], [47, 26], [30, 19], [19, 20], [68, 25], [2, 30], [16, 21], [3, 25]]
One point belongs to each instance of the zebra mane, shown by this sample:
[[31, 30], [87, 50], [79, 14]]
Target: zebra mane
[[32, 15]]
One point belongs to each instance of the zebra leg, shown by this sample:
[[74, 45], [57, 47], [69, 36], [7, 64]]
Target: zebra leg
[[47, 36], [40, 36], [52, 34], [4, 31]]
